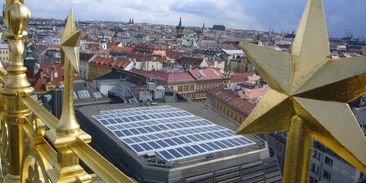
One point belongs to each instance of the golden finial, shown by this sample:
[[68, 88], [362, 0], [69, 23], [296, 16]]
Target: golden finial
[[309, 97], [70, 55]]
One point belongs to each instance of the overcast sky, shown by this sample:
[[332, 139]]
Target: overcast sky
[[248, 14]]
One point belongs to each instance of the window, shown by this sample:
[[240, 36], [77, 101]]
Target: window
[[75, 96], [97, 95], [180, 88], [327, 175], [191, 87], [328, 161], [83, 94], [313, 180], [316, 155], [185, 88], [314, 168]]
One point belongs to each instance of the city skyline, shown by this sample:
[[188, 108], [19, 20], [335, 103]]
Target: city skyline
[[245, 14]]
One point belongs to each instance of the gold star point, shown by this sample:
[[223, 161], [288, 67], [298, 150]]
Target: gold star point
[[310, 85], [70, 42]]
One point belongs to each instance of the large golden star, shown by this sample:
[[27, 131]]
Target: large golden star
[[70, 43], [309, 96]]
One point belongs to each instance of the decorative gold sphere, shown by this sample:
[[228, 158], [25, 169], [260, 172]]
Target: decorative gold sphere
[[16, 18]]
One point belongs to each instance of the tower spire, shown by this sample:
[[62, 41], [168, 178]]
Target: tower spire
[[180, 22]]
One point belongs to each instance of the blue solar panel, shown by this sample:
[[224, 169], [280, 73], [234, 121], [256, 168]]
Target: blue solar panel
[[214, 146], [198, 148], [146, 146], [182, 151], [137, 148], [174, 153], [154, 145], [208, 148], [162, 143], [190, 150], [166, 155], [170, 142], [170, 132]]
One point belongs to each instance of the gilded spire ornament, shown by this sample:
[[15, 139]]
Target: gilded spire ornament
[[309, 97], [70, 48]]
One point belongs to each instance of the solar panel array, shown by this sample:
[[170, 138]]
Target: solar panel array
[[171, 132]]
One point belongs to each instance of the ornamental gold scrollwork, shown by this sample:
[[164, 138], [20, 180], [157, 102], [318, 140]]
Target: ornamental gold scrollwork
[[4, 147], [33, 169]]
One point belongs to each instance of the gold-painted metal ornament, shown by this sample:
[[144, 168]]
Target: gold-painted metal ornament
[[309, 97], [70, 52]]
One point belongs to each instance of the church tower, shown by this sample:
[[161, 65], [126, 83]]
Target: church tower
[[103, 42], [180, 29]]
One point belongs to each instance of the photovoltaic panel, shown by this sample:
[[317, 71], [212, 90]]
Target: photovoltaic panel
[[170, 132]]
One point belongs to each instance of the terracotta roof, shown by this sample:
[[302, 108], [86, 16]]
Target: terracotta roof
[[118, 49], [148, 58], [50, 73], [232, 99], [239, 77], [253, 93], [196, 62], [110, 62], [174, 54], [39, 84], [171, 77], [206, 74]]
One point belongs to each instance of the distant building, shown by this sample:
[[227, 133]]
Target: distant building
[[175, 143], [218, 27], [4, 54], [131, 87], [238, 99], [48, 77], [31, 64], [193, 83], [51, 55], [83, 95], [325, 165], [85, 59], [192, 62], [179, 29], [101, 65], [148, 62]]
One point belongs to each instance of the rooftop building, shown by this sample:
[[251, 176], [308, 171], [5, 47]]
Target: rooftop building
[[177, 143]]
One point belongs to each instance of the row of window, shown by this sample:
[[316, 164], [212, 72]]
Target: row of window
[[208, 85], [228, 111], [4, 58], [82, 94], [327, 160], [185, 88], [326, 175], [4, 51]]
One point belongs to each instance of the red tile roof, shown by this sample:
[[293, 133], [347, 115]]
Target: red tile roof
[[127, 50], [206, 74], [232, 99], [110, 62], [171, 77], [239, 77], [174, 54], [47, 70]]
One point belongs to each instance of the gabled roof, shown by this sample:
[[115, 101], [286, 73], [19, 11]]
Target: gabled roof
[[196, 62], [125, 50], [171, 77], [233, 100], [206, 74], [110, 62]]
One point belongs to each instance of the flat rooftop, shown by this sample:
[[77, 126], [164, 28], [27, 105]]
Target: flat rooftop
[[176, 134], [169, 132]]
